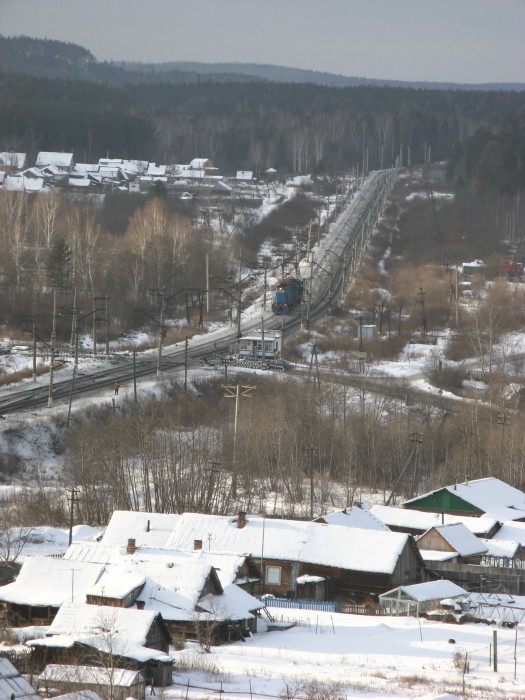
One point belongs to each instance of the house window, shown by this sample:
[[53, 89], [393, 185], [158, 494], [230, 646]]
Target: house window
[[273, 575]]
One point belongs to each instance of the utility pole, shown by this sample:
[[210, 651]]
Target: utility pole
[[236, 392], [207, 285], [421, 294], [185, 364], [107, 323], [72, 500], [263, 353], [94, 325], [161, 332], [52, 349], [265, 283], [34, 341]]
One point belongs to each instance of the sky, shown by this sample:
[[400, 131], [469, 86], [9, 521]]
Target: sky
[[467, 41]]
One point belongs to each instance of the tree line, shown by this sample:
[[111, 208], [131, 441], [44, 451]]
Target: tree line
[[297, 128]]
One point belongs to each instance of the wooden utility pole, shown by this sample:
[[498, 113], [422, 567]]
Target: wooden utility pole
[[52, 350], [421, 294], [72, 500], [236, 392]]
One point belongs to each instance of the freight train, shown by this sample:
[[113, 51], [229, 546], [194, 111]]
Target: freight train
[[286, 295]]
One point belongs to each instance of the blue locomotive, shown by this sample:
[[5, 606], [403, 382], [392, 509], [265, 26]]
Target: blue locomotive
[[287, 294]]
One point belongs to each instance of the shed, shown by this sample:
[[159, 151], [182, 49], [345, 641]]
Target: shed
[[419, 598], [122, 683], [100, 635]]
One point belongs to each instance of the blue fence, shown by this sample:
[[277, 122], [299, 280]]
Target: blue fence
[[321, 605]]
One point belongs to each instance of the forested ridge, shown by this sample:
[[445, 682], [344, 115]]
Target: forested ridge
[[297, 127]]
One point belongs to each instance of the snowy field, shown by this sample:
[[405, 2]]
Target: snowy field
[[355, 656]]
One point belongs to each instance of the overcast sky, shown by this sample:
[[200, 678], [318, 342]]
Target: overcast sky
[[472, 41]]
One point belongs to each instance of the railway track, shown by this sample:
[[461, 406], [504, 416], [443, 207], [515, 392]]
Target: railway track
[[337, 254]]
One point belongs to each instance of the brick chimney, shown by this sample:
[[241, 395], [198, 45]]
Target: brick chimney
[[197, 545], [241, 519], [131, 547]]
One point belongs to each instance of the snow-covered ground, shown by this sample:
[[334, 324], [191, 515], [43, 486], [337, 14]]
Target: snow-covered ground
[[355, 656]]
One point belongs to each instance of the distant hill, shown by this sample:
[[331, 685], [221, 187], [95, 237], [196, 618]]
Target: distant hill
[[47, 58], [283, 74]]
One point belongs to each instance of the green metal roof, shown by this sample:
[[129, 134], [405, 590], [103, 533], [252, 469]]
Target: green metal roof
[[443, 500]]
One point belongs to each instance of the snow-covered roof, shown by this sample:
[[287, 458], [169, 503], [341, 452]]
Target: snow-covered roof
[[151, 529], [329, 545], [354, 517], [291, 540], [501, 548], [62, 160], [431, 590], [79, 182], [173, 580], [21, 183], [13, 160], [156, 170], [420, 520], [244, 175], [58, 580], [460, 539], [490, 495], [114, 583], [199, 163], [91, 675], [53, 170], [309, 578], [437, 555], [86, 168], [121, 631], [511, 531], [12, 685]]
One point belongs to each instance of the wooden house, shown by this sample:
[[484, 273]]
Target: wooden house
[[117, 683], [185, 587], [59, 581], [282, 556], [416, 522], [104, 636], [64, 161], [451, 542], [487, 496]]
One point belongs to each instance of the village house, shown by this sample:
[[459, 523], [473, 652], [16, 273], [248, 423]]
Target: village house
[[282, 556], [489, 496], [63, 161], [91, 682], [451, 551], [416, 522], [185, 587], [450, 542], [59, 581], [104, 636]]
